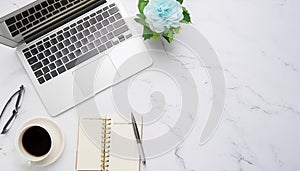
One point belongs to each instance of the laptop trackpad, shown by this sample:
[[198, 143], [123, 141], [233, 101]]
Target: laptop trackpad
[[95, 76]]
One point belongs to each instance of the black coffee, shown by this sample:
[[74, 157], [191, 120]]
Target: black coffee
[[36, 141]]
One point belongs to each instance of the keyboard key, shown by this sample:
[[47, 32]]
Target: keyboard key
[[19, 24], [57, 5], [32, 60], [34, 51], [64, 2], [92, 29], [78, 44], [71, 48], [66, 28], [67, 34], [38, 7], [38, 73], [91, 38], [79, 27], [103, 39], [71, 56], [27, 55], [86, 18], [41, 80], [50, 8], [105, 14], [110, 36], [105, 8], [113, 10], [36, 66], [52, 66], [55, 12], [97, 34], [53, 49], [65, 59], [67, 42], [91, 46], [10, 21], [112, 19], [58, 55], [15, 33], [45, 70], [19, 17], [109, 45], [54, 73], [41, 48], [12, 28], [60, 38], [121, 30], [38, 15], [93, 21], [31, 10], [47, 44], [105, 22], [97, 43], [41, 56], [61, 69], [112, 5], [65, 51], [84, 41], [44, 12], [52, 58], [118, 16], [22, 29], [25, 14], [79, 36], [53, 41], [102, 48], [84, 49], [86, 24], [128, 36], [110, 28], [119, 23], [47, 52], [47, 77], [46, 61], [73, 31], [103, 31], [58, 63], [99, 26], [31, 18], [60, 46], [99, 18], [44, 4], [78, 52], [73, 39]]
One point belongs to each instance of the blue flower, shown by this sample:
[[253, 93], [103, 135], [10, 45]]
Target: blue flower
[[162, 15]]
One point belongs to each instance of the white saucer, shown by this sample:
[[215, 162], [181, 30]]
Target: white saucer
[[57, 137]]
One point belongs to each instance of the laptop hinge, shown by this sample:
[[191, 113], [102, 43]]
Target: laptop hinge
[[76, 13]]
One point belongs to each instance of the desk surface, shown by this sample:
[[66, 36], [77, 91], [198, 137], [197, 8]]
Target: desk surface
[[258, 46]]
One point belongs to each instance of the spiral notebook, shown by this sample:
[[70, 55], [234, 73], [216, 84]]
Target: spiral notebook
[[99, 139]]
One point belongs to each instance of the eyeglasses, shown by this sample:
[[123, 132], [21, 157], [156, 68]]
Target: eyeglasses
[[19, 94]]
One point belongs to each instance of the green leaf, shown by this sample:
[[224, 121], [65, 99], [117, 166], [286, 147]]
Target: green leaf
[[148, 33], [186, 16], [141, 19], [169, 35], [177, 30], [156, 36], [180, 1], [142, 5]]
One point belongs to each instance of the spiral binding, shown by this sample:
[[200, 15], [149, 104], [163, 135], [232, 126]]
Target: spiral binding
[[105, 144]]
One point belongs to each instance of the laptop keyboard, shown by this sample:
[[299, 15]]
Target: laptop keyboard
[[77, 43], [25, 20]]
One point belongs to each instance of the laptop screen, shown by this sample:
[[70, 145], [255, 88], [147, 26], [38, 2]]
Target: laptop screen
[[9, 6]]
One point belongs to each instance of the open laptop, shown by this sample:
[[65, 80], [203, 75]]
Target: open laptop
[[62, 42]]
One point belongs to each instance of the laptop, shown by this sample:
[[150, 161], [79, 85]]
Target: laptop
[[73, 47]]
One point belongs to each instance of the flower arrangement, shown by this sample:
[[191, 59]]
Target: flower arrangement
[[162, 18]]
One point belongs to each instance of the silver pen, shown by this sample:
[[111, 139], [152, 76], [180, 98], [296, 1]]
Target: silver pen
[[138, 140]]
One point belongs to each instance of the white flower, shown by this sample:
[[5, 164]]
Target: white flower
[[163, 14]]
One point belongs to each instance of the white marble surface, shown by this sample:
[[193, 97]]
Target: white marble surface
[[257, 43]]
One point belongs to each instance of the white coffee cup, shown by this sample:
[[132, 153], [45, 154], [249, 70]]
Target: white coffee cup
[[29, 142]]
